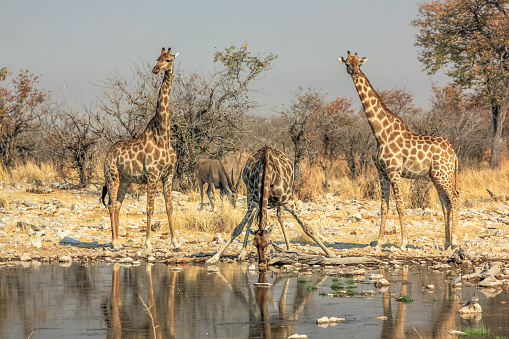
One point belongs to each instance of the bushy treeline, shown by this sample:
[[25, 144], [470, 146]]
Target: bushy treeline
[[212, 115]]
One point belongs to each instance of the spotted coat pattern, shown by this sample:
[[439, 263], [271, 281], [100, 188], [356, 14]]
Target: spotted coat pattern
[[144, 160], [402, 153], [279, 193]]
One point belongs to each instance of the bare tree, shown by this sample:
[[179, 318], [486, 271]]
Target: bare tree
[[209, 112], [459, 117], [126, 105], [304, 118], [21, 105], [71, 139]]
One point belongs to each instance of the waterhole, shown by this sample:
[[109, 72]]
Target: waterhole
[[233, 300]]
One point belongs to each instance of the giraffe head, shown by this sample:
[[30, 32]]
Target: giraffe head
[[164, 62], [353, 63], [261, 241]]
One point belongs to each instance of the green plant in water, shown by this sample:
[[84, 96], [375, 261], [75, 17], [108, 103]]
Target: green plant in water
[[335, 279], [435, 298], [302, 281], [405, 298], [337, 286], [350, 282], [311, 287], [350, 292], [483, 330]]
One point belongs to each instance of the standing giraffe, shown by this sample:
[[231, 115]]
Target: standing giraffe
[[268, 176], [402, 153], [144, 160]]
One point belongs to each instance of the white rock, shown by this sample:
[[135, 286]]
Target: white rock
[[298, 336], [126, 260], [469, 309], [25, 257], [36, 242], [64, 258], [382, 282]]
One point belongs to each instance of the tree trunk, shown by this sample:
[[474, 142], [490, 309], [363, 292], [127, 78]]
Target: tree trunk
[[499, 112], [296, 165]]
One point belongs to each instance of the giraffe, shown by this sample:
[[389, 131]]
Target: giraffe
[[268, 175], [144, 160], [402, 153]]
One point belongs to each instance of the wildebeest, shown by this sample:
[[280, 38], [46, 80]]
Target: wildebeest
[[212, 172]]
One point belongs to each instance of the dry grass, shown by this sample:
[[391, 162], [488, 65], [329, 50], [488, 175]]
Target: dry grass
[[473, 182], [29, 172], [224, 219]]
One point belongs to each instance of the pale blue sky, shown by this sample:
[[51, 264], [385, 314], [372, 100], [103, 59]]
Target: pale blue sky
[[75, 45]]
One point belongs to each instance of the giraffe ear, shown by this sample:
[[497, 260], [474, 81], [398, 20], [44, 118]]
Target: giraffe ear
[[342, 60], [176, 55], [363, 60]]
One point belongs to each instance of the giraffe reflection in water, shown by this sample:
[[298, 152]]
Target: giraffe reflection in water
[[443, 322], [128, 291], [123, 319], [258, 301]]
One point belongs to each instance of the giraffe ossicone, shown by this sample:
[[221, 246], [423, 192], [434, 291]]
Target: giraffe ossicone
[[147, 159], [403, 153]]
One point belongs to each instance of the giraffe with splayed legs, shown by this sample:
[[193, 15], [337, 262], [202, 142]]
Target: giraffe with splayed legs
[[402, 153], [268, 175], [147, 159]]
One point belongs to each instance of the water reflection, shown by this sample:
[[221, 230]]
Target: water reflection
[[159, 301]]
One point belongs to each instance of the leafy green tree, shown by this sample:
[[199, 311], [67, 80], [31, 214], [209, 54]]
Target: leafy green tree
[[469, 40]]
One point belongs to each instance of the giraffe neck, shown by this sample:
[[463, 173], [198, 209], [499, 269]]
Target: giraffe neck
[[162, 116], [380, 118]]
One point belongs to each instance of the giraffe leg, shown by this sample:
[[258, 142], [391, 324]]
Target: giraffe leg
[[449, 199], [280, 219], [151, 194], [167, 183], [398, 196], [117, 191], [307, 229], [385, 194], [243, 251], [236, 232]]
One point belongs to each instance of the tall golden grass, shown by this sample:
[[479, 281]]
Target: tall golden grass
[[29, 172]]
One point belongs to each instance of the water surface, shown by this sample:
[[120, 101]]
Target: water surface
[[114, 301]]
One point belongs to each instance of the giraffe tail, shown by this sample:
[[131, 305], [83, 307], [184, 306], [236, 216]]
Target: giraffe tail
[[264, 192], [105, 190]]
